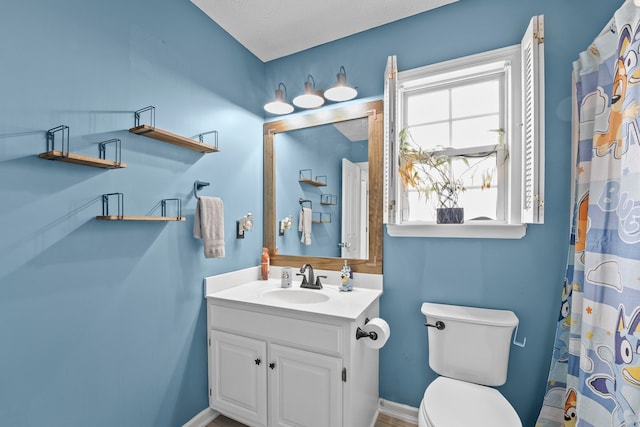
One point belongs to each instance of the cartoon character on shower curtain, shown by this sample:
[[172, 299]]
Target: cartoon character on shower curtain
[[622, 386], [627, 73]]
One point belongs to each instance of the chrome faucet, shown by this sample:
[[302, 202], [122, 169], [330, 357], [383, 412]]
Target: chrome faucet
[[311, 283]]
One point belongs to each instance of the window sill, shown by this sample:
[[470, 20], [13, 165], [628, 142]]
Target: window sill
[[468, 230]]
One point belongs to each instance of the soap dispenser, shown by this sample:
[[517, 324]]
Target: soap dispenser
[[345, 278]]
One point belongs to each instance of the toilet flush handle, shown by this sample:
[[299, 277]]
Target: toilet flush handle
[[439, 325]]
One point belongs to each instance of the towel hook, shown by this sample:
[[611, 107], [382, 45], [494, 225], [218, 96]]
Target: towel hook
[[198, 185]]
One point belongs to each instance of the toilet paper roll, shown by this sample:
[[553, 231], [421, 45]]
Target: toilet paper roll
[[382, 330]]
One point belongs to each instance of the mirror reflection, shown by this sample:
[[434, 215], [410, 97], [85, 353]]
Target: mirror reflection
[[346, 213], [322, 176]]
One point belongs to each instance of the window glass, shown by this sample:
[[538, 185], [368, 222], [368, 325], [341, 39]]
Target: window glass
[[431, 136], [478, 172], [428, 107], [474, 99], [466, 115], [417, 209], [479, 204], [475, 132], [479, 177]]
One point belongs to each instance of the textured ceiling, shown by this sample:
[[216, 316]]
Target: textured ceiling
[[272, 29]]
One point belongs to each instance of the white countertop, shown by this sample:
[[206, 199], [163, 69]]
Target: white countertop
[[349, 305]]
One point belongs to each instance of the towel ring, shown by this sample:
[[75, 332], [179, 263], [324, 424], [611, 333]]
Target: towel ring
[[198, 185]]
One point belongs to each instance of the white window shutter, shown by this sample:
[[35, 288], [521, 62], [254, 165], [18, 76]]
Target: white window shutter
[[390, 150], [532, 51]]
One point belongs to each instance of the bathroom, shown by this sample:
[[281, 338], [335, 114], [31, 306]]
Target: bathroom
[[104, 323]]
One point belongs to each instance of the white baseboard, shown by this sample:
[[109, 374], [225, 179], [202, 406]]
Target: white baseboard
[[203, 418], [398, 410]]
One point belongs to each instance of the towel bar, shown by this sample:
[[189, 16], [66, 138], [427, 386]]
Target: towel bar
[[302, 201]]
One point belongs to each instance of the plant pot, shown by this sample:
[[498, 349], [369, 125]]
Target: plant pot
[[450, 215]]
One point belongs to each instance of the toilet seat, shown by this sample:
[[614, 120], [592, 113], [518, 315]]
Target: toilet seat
[[452, 403]]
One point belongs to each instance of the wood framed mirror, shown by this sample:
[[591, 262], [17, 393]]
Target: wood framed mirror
[[372, 112]]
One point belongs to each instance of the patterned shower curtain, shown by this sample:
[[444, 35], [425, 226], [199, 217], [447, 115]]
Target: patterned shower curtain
[[594, 379]]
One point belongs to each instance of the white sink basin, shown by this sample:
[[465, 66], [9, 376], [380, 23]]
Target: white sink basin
[[295, 296]]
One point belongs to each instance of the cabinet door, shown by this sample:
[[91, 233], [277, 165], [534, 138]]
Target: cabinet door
[[238, 377], [305, 388]]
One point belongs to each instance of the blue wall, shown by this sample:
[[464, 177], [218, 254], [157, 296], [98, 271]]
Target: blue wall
[[103, 323], [522, 275]]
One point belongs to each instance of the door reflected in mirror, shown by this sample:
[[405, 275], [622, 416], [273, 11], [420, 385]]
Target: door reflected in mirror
[[336, 156]]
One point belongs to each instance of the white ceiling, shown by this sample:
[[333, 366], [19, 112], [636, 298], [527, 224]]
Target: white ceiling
[[271, 29]]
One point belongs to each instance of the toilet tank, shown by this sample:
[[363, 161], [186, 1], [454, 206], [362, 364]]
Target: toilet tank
[[474, 344]]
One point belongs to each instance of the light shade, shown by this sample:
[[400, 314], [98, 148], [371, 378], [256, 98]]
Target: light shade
[[341, 91], [310, 98], [279, 105]]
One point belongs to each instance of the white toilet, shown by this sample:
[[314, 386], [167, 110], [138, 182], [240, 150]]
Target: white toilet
[[469, 349]]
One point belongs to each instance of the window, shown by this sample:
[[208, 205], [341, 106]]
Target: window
[[468, 133]]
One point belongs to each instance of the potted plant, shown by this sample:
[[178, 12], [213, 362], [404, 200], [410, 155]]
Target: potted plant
[[431, 174]]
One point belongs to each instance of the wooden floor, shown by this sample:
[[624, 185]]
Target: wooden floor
[[387, 421], [382, 421]]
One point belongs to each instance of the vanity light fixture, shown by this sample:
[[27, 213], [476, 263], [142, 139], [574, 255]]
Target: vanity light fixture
[[285, 224], [311, 98], [341, 91], [244, 224], [279, 105]]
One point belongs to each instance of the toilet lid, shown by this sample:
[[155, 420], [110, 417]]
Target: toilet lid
[[448, 402]]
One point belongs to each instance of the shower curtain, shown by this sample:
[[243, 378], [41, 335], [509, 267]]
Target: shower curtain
[[594, 379]]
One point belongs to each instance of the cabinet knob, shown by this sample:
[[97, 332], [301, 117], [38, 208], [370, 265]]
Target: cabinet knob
[[272, 365], [258, 361]]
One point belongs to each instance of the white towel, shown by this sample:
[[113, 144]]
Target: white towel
[[304, 225], [208, 225]]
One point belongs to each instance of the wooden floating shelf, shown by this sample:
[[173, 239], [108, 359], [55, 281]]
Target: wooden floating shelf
[[321, 218], [139, 218], [172, 138], [81, 160], [328, 199], [312, 182]]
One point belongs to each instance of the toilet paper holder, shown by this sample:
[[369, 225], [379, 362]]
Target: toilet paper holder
[[360, 333]]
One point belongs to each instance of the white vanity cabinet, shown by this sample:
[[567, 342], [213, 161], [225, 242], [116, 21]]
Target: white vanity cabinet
[[279, 367]]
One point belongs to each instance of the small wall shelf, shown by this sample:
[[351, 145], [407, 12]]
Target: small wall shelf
[[121, 217], [150, 131], [321, 218], [65, 156], [137, 218], [305, 175], [328, 199]]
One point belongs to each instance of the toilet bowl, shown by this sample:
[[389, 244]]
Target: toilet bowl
[[469, 349], [454, 403]]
